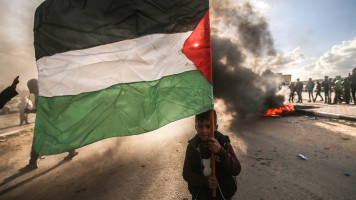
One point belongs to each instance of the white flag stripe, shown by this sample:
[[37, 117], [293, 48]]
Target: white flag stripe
[[142, 59]]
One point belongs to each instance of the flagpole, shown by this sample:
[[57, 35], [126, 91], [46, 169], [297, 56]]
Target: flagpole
[[212, 130]]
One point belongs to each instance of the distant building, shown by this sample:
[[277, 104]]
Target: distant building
[[285, 78]]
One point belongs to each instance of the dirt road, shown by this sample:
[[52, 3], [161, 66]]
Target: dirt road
[[149, 166], [274, 171]]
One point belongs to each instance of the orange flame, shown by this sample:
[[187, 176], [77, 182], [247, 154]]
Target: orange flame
[[279, 111]]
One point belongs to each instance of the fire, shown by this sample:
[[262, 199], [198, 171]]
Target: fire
[[279, 111]]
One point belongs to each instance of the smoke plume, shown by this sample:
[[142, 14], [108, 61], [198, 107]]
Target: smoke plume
[[245, 90], [16, 49]]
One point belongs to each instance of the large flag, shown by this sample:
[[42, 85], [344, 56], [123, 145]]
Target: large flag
[[113, 68]]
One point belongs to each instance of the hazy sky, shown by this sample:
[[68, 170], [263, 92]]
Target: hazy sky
[[313, 38], [16, 41]]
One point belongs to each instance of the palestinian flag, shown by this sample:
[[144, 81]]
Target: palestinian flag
[[113, 68]]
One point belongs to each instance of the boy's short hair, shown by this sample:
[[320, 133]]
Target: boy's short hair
[[205, 116]]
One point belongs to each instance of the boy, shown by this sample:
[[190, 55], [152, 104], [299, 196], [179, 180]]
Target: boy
[[197, 171]]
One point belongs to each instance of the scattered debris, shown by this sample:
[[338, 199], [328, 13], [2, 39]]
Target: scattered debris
[[142, 165], [292, 121], [347, 174], [81, 190], [345, 138], [2, 139], [302, 157], [311, 118]]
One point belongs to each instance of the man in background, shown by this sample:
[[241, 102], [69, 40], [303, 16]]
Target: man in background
[[326, 86], [310, 88], [299, 89], [33, 88], [353, 84]]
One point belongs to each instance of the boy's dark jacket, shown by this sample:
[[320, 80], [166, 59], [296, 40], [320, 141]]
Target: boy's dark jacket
[[197, 182]]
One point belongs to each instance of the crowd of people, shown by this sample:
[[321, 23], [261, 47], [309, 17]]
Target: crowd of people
[[344, 89]]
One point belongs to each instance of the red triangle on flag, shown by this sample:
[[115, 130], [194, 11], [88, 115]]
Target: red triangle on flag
[[197, 47]]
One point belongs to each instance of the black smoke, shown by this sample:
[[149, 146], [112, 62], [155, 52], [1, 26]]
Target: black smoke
[[245, 92]]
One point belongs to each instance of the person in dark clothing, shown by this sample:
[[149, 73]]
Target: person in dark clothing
[[292, 90], [299, 90], [310, 88], [337, 85], [326, 86], [346, 86], [197, 170], [318, 91], [353, 84], [7, 94], [33, 88]]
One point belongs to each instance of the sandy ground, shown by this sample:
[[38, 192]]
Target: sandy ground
[[149, 166]]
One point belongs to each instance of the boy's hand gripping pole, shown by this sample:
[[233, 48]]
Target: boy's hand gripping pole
[[212, 130]]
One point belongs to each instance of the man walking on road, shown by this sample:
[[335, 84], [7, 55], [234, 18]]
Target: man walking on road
[[299, 89], [310, 88], [346, 86], [338, 90], [292, 90], [353, 84], [318, 90], [326, 86], [33, 88]]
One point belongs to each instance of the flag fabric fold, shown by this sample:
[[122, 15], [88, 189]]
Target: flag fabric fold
[[117, 68]]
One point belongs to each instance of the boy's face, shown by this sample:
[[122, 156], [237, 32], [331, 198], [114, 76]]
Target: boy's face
[[203, 129]]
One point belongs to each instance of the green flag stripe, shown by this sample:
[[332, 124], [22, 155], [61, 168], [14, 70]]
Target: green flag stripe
[[67, 122]]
